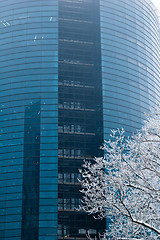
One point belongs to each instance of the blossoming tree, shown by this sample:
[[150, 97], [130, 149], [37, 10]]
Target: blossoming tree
[[124, 186]]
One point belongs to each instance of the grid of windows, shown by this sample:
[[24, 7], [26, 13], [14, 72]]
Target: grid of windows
[[80, 110], [70, 71], [28, 119], [130, 62]]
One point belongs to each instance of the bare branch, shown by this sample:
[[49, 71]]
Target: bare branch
[[125, 185]]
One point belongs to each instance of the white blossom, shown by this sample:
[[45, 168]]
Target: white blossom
[[124, 186]]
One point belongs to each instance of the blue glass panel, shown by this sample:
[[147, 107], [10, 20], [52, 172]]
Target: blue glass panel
[[129, 39], [28, 105]]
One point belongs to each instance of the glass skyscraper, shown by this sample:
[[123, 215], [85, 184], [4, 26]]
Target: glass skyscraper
[[70, 71]]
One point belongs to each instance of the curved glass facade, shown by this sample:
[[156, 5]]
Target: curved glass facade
[[28, 119], [71, 70], [130, 62]]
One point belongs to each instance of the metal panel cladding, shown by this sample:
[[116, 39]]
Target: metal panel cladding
[[130, 62], [28, 119]]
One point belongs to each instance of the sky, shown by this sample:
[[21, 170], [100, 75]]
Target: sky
[[156, 3]]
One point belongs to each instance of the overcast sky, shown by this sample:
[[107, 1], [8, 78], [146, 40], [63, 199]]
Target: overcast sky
[[156, 3]]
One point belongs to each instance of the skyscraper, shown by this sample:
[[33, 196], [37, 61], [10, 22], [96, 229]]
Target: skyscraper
[[71, 70]]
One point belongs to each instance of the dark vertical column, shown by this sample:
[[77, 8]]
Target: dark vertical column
[[80, 111], [31, 173]]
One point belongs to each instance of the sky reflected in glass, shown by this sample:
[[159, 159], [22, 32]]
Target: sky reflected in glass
[[157, 4]]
